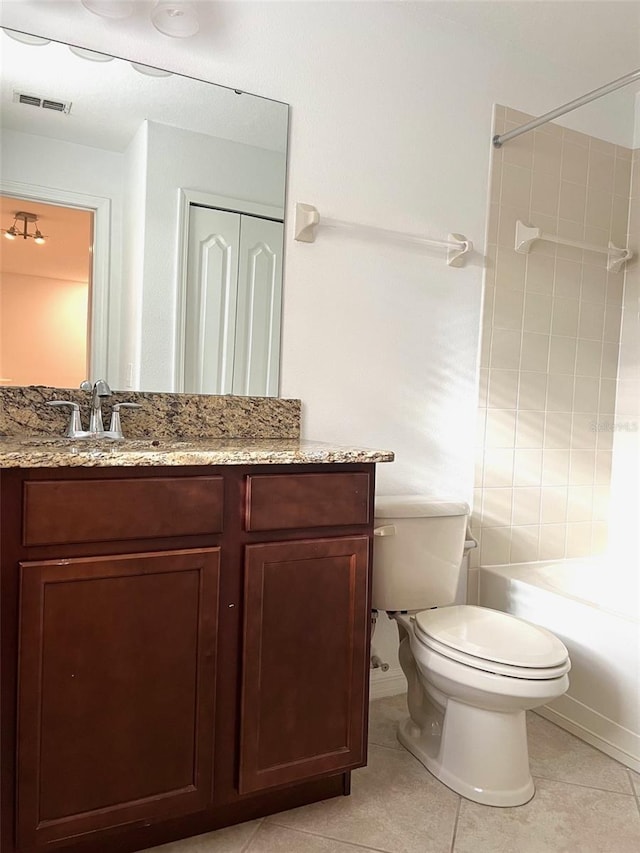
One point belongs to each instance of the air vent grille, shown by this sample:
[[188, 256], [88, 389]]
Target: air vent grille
[[42, 103]]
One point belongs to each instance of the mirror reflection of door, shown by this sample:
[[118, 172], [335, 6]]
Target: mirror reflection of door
[[45, 294], [233, 303]]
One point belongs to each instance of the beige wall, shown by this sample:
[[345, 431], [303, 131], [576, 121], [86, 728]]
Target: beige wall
[[551, 329], [43, 336]]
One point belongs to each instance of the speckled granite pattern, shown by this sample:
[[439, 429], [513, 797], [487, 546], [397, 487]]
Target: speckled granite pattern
[[23, 411], [54, 452]]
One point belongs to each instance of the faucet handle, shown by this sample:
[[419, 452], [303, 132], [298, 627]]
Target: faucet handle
[[75, 425], [115, 427]]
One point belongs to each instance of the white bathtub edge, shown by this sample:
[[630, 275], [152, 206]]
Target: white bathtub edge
[[588, 725]]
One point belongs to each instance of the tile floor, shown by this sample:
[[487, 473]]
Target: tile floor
[[585, 802]]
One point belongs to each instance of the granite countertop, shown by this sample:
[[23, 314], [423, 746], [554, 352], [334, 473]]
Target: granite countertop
[[47, 451]]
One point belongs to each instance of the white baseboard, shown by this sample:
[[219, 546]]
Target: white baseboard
[[388, 683], [599, 731]]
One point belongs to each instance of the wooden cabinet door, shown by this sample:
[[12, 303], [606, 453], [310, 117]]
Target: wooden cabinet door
[[117, 668], [305, 660]]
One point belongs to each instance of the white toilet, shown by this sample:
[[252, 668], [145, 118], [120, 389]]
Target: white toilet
[[472, 672]]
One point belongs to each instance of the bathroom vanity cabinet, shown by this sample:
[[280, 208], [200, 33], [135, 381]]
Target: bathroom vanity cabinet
[[183, 648]]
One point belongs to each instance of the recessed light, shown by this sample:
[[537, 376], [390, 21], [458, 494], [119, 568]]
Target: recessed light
[[92, 55], [109, 8], [150, 71], [26, 38], [175, 18]]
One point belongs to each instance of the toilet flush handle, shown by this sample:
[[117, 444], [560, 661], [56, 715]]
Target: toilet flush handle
[[385, 530]]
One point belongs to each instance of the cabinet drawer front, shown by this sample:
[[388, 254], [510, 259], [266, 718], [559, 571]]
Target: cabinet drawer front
[[282, 502], [69, 511]]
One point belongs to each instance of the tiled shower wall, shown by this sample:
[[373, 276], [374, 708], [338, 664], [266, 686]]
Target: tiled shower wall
[[626, 440], [551, 331]]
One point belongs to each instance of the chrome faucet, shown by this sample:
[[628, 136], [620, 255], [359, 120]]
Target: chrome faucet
[[99, 390]]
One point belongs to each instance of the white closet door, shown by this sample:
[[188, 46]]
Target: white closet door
[[212, 284], [257, 353]]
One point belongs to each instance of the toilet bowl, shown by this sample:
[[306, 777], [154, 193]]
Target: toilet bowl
[[467, 709], [472, 672]]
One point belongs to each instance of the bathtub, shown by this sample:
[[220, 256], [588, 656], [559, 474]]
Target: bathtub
[[597, 619]]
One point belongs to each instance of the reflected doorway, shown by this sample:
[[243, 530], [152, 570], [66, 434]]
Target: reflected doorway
[[45, 295]]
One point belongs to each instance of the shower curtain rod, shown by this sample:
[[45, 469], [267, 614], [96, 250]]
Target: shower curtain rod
[[500, 139]]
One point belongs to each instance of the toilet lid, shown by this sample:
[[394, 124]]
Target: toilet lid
[[491, 636]]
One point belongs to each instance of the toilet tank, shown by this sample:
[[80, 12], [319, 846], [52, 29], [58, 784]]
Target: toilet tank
[[417, 551]]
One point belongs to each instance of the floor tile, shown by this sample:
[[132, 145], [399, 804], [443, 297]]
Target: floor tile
[[561, 818], [635, 781], [395, 805], [556, 754], [384, 716], [277, 839], [232, 839]]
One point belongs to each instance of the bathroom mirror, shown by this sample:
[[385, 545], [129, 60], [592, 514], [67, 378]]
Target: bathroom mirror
[[136, 147]]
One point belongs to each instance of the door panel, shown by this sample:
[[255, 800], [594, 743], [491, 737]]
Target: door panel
[[257, 353], [117, 685], [212, 285], [305, 660]]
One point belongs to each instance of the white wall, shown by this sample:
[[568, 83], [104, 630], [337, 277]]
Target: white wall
[[126, 361]]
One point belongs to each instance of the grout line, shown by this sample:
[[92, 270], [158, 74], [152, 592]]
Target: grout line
[[386, 746], [636, 794], [353, 844], [251, 838], [588, 787], [455, 825]]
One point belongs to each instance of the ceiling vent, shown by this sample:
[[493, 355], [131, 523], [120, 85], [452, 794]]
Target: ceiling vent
[[42, 103]]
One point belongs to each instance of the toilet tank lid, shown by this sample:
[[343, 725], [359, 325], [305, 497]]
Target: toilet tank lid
[[418, 506]]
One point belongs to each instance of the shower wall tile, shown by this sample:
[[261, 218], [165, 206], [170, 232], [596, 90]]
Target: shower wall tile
[[552, 544], [524, 542], [575, 163], [532, 391], [551, 346], [562, 354], [540, 274], [622, 176], [575, 137], [625, 440], [553, 505], [547, 153], [535, 352], [503, 389], [525, 506], [591, 321], [567, 278], [530, 429], [602, 145], [537, 312]]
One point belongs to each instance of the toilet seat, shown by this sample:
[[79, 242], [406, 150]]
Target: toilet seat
[[493, 641]]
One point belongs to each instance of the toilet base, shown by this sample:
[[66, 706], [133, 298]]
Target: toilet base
[[466, 753]]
